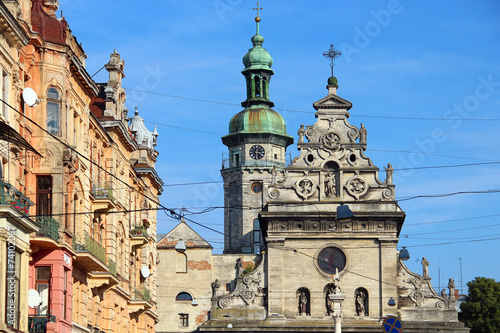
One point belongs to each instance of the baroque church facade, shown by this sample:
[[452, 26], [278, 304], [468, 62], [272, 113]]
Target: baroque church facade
[[308, 247]]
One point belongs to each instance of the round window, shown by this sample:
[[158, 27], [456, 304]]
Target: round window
[[330, 259], [256, 187]]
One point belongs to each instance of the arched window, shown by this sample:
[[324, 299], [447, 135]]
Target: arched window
[[181, 263], [53, 111], [184, 297]]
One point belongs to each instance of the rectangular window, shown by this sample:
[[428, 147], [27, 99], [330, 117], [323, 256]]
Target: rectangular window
[[43, 288], [183, 320], [236, 159], [5, 93], [44, 195], [256, 236], [12, 312], [65, 295], [53, 118]]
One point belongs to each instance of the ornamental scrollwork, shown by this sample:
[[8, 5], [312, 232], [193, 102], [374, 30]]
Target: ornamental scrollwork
[[331, 141], [357, 186], [305, 188]]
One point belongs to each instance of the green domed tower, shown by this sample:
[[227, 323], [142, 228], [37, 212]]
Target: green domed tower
[[257, 142]]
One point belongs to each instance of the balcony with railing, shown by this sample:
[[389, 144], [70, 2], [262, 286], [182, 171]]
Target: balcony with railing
[[48, 227], [89, 253], [38, 323], [103, 196], [140, 300], [112, 267], [9, 195], [138, 236], [142, 293]]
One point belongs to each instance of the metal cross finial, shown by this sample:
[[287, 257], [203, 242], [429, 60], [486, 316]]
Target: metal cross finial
[[257, 9], [332, 54]]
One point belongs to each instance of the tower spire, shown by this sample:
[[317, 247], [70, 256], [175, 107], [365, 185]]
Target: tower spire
[[257, 18], [332, 54]]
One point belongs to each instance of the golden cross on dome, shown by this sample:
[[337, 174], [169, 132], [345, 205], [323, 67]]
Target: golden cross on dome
[[257, 9], [332, 54]]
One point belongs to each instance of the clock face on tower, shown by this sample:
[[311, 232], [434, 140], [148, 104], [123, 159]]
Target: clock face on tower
[[331, 258], [257, 152]]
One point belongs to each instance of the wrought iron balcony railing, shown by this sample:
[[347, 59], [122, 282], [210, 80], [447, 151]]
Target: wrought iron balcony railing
[[103, 191], [142, 293], [48, 227], [112, 267], [85, 243], [9, 195], [38, 323], [139, 230]]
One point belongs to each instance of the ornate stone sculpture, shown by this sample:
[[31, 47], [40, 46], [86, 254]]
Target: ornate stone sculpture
[[303, 303], [239, 267], [451, 287], [305, 188], [443, 293], [425, 266], [388, 174], [215, 287], [331, 141], [360, 303], [274, 175], [330, 185], [301, 133], [362, 134]]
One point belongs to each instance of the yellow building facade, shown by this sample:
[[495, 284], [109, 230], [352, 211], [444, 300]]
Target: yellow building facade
[[86, 228]]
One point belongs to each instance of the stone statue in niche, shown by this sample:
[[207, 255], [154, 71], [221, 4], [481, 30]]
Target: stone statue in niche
[[361, 300], [301, 133], [451, 287], [388, 174], [425, 266], [330, 185], [329, 301], [303, 303], [362, 134]]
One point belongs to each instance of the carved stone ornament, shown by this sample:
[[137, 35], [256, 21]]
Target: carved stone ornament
[[310, 133], [305, 188], [353, 134], [357, 186], [224, 303], [331, 141], [388, 193], [274, 194]]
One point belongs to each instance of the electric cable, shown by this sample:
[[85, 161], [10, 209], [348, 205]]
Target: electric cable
[[301, 111]]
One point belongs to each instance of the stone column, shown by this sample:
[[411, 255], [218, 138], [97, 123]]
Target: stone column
[[337, 310]]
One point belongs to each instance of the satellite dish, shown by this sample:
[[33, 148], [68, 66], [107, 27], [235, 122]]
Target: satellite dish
[[145, 271], [30, 97], [34, 298]]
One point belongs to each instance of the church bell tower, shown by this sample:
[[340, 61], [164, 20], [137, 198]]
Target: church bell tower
[[257, 141]]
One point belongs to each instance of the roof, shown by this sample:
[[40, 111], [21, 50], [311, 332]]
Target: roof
[[50, 28], [182, 231]]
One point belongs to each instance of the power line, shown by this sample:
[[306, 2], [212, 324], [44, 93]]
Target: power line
[[453, 220], [448, 194], [447, 243], [454, 230], [302, 111]]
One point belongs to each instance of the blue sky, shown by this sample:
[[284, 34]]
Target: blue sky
[[412, 59]]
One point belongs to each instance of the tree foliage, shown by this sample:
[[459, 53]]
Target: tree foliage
[[481, 309]]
